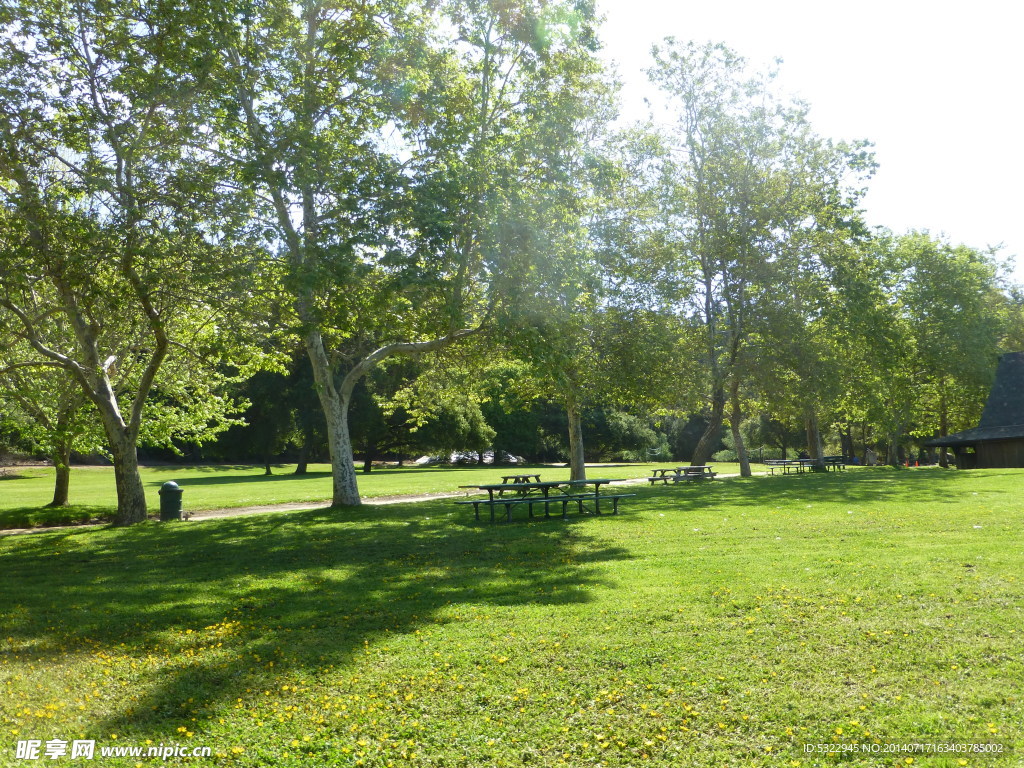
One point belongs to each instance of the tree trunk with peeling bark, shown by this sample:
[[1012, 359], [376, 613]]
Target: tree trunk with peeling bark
[[815, 444], [577, 460], [62, 479], [706, 444], [735, 419]]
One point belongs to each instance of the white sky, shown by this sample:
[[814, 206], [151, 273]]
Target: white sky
[[937, 86]]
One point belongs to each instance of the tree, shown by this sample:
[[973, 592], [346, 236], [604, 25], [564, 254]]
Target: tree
[[106, 221], [945, 305], [51, 410], [394, 148], [747, 189]]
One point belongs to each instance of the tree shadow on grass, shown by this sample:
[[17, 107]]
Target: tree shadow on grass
[[303, 590]]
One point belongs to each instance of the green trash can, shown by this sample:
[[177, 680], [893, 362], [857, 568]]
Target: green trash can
[[170, 501]]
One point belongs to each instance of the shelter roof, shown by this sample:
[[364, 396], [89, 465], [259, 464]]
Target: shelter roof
[[1003, 417]]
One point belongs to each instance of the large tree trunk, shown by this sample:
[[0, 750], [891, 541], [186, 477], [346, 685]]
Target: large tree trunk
[[122, 441], [577, 462], [368, 457], [894, 450], [131, 496], [815, 445], [735, 418], [302, 466], [62, 481], [846, 441], [344, 487], [897, 456], [706, 444]]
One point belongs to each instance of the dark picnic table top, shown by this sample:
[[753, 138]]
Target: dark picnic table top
[[677, 470], [542, 486]]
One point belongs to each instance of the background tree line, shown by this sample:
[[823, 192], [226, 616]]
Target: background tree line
[[389, 228]]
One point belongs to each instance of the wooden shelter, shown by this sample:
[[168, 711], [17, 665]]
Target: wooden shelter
[[998, 440]]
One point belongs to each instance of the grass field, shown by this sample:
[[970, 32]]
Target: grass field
[[24, 494], [717, 624]]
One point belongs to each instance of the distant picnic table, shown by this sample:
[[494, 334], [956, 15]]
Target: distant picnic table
[[562, 492], [680, 474], [507, 479], [798, 466]]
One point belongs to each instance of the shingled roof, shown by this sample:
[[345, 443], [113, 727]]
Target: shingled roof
[[1003, 417]]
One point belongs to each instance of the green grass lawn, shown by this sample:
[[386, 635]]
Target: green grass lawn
[[24, 495], [715, 624]]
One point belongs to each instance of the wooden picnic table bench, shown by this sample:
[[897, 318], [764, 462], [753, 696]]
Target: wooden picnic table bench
[[565, 492], [679, 474]]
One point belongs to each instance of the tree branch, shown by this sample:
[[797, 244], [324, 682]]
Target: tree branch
[[32, 364], [365, 365]]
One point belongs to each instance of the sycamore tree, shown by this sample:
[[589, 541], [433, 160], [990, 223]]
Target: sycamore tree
[[945, 301], [583, 321], [846, 335], [952, 302], [115, 264], [393, 148], [748, 192]]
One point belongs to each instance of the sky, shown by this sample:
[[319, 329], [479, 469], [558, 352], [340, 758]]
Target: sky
[[938, 87]]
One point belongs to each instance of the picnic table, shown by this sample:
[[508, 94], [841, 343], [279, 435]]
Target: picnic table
[[679, 474], [518, 479], [786, 466], [545, 493], [835, 463]]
